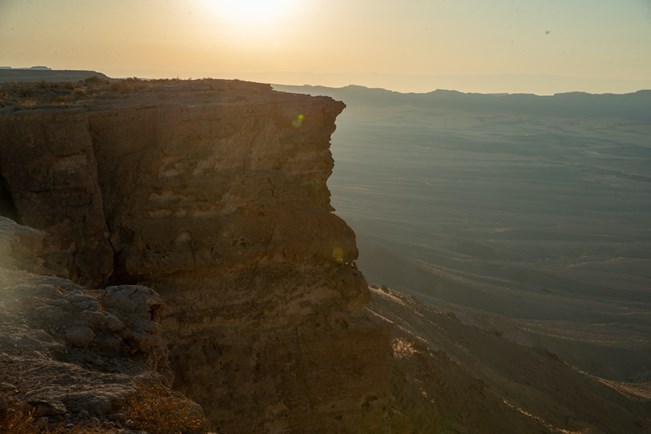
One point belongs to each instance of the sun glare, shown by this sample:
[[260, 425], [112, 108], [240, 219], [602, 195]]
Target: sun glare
[[252, 12]]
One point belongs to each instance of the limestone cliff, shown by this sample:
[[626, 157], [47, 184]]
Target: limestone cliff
[[214, 194]]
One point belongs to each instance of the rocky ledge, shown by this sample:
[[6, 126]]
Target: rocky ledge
[[208, 197]]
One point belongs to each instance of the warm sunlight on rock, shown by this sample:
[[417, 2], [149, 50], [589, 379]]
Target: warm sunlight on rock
[[402, 348]]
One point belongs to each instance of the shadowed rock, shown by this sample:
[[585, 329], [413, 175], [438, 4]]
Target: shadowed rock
[[214, 194]]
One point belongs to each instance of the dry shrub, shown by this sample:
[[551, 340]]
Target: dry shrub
[[121, 86], [158, 410], [95, 80], [17, 418], [126, 85], [63, 429], [23, 89]]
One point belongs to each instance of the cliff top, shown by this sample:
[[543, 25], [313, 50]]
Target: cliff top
[[96, 93]]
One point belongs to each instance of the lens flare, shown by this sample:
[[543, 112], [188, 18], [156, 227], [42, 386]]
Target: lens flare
[[338, 255], [296, 123]]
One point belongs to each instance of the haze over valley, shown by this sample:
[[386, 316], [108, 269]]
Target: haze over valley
[[520, 207]]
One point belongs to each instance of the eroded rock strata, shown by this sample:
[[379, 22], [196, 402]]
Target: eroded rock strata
[[214, 194]]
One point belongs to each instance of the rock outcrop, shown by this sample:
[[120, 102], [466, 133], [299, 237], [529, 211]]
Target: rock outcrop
[[76, 357], [50, 173], [214, 194]]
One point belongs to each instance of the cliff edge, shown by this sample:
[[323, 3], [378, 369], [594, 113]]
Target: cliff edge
[[213, 193]]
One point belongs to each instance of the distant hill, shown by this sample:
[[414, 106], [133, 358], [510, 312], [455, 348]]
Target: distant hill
[[636, 106], [10, 75]]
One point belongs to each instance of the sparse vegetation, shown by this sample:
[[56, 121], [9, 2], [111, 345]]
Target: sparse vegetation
[[23, 89], [21, 95], [83, 92], [125, 86], [154, 409], [17, 417], [158, 410]]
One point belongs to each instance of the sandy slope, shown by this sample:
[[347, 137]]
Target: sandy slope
[[476, 381]]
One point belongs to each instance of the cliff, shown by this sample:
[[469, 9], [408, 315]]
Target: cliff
[[170, 262], [213, 193]]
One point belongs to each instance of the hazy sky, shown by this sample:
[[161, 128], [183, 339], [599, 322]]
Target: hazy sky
[[540, 46]]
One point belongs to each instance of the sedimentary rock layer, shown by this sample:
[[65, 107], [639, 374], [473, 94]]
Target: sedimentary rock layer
[[213, 193]]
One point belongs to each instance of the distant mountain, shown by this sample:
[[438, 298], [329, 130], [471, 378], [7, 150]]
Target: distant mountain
[[37, 73], [636, 106]]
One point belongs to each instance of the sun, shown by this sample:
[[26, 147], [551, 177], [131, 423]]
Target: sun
[[252, 12]]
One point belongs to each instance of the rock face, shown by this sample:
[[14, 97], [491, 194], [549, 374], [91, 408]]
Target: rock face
[[74, 355], [214, 194], [48, 165]]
